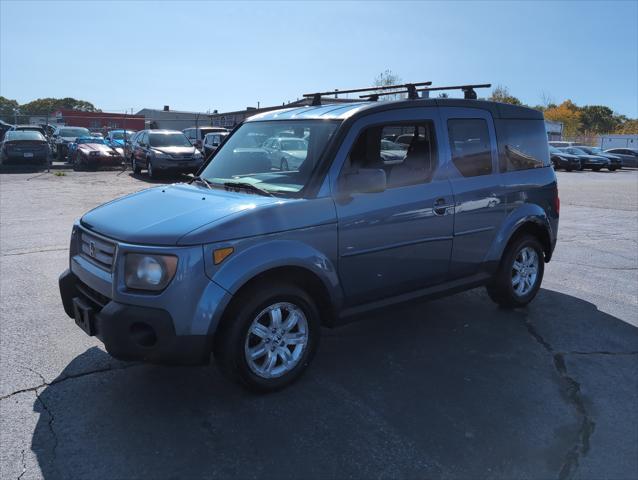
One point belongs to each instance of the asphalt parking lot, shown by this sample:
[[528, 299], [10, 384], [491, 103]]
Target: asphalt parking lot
[[452, 388]]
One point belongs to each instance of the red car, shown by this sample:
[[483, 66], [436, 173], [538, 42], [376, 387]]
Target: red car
[[94, 152]]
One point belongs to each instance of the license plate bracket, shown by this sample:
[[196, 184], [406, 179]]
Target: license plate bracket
[[84, 316], [28, 155]]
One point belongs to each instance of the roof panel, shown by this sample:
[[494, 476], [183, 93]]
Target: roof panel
[[324, 112]]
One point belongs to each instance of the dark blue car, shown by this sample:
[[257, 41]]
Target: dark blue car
[[250, 259]]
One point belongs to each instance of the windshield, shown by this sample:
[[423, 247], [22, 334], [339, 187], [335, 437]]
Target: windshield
[[168, 140], [120, 135], [577, 151], [73, 132], [24, 135], [91, 140], [388, 145], [243, 158]]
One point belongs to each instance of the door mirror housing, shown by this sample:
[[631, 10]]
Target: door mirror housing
[[365, 180]]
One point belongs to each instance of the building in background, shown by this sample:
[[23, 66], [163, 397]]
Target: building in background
[[230, 119], [173, 119], [97, 121], [619, 141], [554, 130]]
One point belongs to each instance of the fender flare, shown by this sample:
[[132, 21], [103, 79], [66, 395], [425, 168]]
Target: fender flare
[[526, 214]]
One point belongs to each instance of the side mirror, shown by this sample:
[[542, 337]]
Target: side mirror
[[366, 180]]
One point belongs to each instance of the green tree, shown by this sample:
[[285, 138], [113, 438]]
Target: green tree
[[597, 119], [7, 107], [501, 94], [42, 106]]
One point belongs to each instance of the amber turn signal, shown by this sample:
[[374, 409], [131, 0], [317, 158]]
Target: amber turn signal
[[220, 254]]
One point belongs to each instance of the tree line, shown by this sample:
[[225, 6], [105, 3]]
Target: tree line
[[11, 110], [588, 120]]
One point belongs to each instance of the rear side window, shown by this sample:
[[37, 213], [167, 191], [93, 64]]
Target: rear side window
[[525, 145], [470, 146]]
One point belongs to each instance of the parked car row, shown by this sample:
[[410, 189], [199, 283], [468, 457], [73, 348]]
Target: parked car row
[[579, 157]]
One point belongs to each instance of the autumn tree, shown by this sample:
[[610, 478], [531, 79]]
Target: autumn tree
[[567, 113], [501, 94], [628, 127]]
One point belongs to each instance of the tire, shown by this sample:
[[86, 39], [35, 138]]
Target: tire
[[149, 168], [611, 169], [76, 163], [135, 167], [236, 337], [568, 169], [283, 165], [503, 289]]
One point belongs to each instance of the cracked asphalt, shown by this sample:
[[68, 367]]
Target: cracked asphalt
[[452, 388]]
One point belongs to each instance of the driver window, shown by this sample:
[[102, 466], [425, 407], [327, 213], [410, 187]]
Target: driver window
[[406, 152]]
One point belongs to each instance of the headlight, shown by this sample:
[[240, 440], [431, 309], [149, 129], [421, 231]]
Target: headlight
[[94, 153], [149, 272], [197, 154], [159, 154]]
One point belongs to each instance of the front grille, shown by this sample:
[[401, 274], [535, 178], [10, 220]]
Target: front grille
[[97, 250]]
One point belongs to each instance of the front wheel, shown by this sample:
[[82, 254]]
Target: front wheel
[[135, 167], [520, 273], [268, 337], [284, 165], [149, 168]]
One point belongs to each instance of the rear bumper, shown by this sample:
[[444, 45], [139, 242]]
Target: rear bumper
[[131, 332]]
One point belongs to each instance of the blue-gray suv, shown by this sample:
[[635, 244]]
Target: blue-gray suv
[[250, 259]]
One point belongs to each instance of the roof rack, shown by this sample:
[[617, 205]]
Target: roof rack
[[410, 88], [468, 91]]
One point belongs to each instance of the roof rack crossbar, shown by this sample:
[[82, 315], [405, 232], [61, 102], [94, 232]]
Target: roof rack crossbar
[[410, 88], [468, 91]]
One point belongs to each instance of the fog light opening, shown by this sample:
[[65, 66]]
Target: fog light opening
[[143, 334]]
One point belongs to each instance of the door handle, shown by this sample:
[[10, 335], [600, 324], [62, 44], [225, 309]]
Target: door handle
[[440, 206]]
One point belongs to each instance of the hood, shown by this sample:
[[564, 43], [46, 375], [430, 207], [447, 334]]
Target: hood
[[594, 157], [95, 147], [163, 215], [175, 150]]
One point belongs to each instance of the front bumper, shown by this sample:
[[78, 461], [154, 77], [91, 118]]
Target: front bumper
[[131, 332], [104, 160], [177, 165]]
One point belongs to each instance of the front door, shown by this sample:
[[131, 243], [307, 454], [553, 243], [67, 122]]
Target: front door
[[398, 240]]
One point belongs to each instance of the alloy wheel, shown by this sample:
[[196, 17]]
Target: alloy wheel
[[525, 271], [276, 340]]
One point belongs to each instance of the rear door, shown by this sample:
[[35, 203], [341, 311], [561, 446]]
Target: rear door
[[480, 204]]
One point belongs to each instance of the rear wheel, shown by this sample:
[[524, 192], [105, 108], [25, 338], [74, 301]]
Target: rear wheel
[[520, 273], [268, 337], [284, 164]]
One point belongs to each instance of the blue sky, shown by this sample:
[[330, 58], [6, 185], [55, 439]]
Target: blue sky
[[226, 56]]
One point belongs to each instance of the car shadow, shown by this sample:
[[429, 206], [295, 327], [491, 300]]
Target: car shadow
[[454, 387]]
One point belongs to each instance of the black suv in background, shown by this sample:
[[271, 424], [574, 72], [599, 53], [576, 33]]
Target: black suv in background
[[164, 151], [615, 162]]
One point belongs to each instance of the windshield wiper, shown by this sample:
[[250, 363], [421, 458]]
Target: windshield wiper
[[202, 180], [248, 186]]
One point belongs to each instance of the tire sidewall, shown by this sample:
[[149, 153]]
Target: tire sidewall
[[249, 308]]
